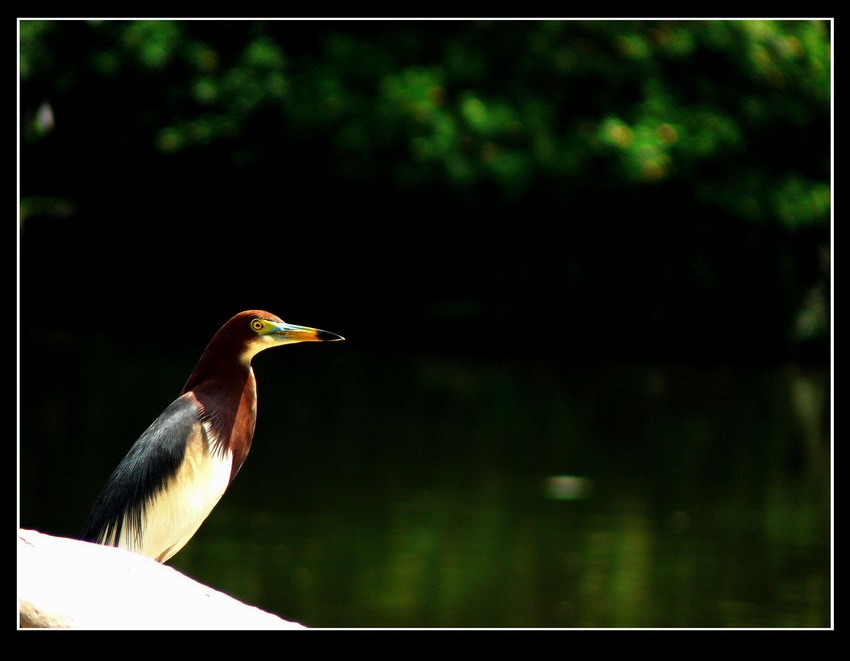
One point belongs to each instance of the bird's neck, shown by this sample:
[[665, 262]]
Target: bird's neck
[[228, 399]]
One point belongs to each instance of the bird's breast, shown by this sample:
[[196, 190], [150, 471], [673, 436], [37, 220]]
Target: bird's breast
[[229, 412], [176, 512], [242, 433]]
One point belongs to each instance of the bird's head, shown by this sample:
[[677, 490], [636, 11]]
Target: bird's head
[[245, 335], [253, 331]]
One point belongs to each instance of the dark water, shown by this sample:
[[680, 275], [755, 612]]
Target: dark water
[[427, 491]]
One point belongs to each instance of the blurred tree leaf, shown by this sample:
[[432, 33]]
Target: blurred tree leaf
[[692, 156]]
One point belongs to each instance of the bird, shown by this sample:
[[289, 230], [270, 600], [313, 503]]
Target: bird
[[178, 469]]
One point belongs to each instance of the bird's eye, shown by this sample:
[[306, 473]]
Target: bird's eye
[[257, 324]]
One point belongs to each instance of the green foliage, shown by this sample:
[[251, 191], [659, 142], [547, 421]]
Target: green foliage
[[508, 104], [661, 147]]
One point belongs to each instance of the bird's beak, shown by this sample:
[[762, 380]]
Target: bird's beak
[[292, 333]]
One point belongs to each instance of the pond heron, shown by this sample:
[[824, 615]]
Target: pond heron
[[179, 468]]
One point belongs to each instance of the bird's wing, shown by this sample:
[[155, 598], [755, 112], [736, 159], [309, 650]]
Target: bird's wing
[[164, 487]]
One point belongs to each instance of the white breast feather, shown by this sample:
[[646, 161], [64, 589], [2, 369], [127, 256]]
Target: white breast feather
[[175, 514]]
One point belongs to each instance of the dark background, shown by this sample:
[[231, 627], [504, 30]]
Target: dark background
[[635, 188]]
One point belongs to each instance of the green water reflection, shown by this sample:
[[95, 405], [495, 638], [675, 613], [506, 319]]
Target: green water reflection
[[419, 491]]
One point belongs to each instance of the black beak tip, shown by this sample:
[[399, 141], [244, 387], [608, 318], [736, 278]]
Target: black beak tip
[[327, 336]]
